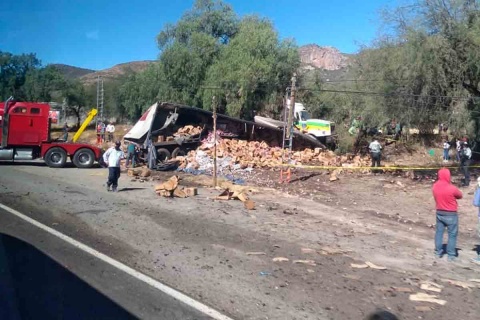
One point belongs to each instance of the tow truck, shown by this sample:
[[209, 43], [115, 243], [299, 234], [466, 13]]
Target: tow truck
[[25, 134]]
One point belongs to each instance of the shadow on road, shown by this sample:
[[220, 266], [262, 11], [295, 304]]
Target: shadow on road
[[130, 189], [34, 286]]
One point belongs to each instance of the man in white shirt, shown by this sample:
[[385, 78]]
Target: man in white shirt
[[375, 152], [112, 158], [110, 130]]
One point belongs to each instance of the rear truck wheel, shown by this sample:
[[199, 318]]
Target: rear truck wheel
[[55, 157], [179, 152], [84, 158], [163, 155]]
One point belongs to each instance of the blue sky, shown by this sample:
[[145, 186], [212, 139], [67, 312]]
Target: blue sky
[[98, 34]]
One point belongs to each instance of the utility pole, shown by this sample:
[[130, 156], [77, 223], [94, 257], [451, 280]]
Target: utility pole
[[214, 107], [288, 130], [291, 111], [100, 96]]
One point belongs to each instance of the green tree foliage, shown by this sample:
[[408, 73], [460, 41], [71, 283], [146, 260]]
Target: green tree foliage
[[44, 84], [429, 58], [190, 47], [77, 99], [211, 51], [13, 73], [252, 71]]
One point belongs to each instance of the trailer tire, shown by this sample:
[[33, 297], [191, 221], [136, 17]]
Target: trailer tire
[[84, 158], [55, 157], [163, 155], [179, 152]]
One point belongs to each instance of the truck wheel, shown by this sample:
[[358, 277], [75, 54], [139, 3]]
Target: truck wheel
[[84, 158], [55, 157], [178, 152], [163, 154]]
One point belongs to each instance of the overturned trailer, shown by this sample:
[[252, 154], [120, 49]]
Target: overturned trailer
[[156, 131]]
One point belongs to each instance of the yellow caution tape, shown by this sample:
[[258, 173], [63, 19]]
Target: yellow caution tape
[[370, 168]]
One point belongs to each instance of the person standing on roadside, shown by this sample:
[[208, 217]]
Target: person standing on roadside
[[99, 133], [375, 152], [446, 196], [110, 130], [65, 131], [102, 131], [465, 158], [112, 158], [459, 146], [131, 154], [446, 149], [476, 203]]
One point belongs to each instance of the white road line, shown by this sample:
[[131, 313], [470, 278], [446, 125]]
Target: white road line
[[134, 273]]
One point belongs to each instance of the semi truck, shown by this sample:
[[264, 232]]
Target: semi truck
[[25, 134]]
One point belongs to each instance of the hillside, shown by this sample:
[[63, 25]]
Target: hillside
[[71, 72], [313, 56], [116, 71], [332, 63]]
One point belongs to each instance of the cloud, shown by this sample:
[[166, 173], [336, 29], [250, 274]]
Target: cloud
[[93, 35]]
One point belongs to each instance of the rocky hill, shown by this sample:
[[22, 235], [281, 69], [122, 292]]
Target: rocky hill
[[116, 71], [88, 76], [313, 56], [71, 72]]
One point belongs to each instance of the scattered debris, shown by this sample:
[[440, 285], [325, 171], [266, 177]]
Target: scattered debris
[[332, 251], [431, 286], [359, 266], [280, 259], [265, 273], [307, 250], [171, 189], [373, 266], [239, 194], [366, 265], [423, 308], [460, 284], [256, 253], [249, 205], [307, 262], [402, 289], [424, 297]]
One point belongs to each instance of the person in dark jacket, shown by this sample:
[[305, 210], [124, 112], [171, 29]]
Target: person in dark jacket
[[465, 159], [446, 196]]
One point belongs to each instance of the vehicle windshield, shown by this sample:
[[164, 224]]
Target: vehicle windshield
[[304, 116]]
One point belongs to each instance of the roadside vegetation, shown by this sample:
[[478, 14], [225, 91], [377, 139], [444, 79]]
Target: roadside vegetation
[[422, 70]]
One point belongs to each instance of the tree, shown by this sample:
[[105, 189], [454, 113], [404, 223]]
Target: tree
[[191, 45], [252, 71], [43, 84], [429, 58], [77, 98], [13, 73]]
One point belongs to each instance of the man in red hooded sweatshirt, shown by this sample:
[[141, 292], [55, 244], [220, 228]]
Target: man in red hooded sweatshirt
[[446, 195]]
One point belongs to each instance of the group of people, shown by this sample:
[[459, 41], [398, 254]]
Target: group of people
[[103, 130], [446, 196], [112, 158], [463, 156]]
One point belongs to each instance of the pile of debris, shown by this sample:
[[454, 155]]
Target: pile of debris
[[170, 189], [188, 131], [237, 154]]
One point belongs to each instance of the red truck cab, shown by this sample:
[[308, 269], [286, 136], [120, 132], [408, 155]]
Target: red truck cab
[[25, 135]]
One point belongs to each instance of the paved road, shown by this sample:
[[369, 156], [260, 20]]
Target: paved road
[[202, 248], [136, 297]]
